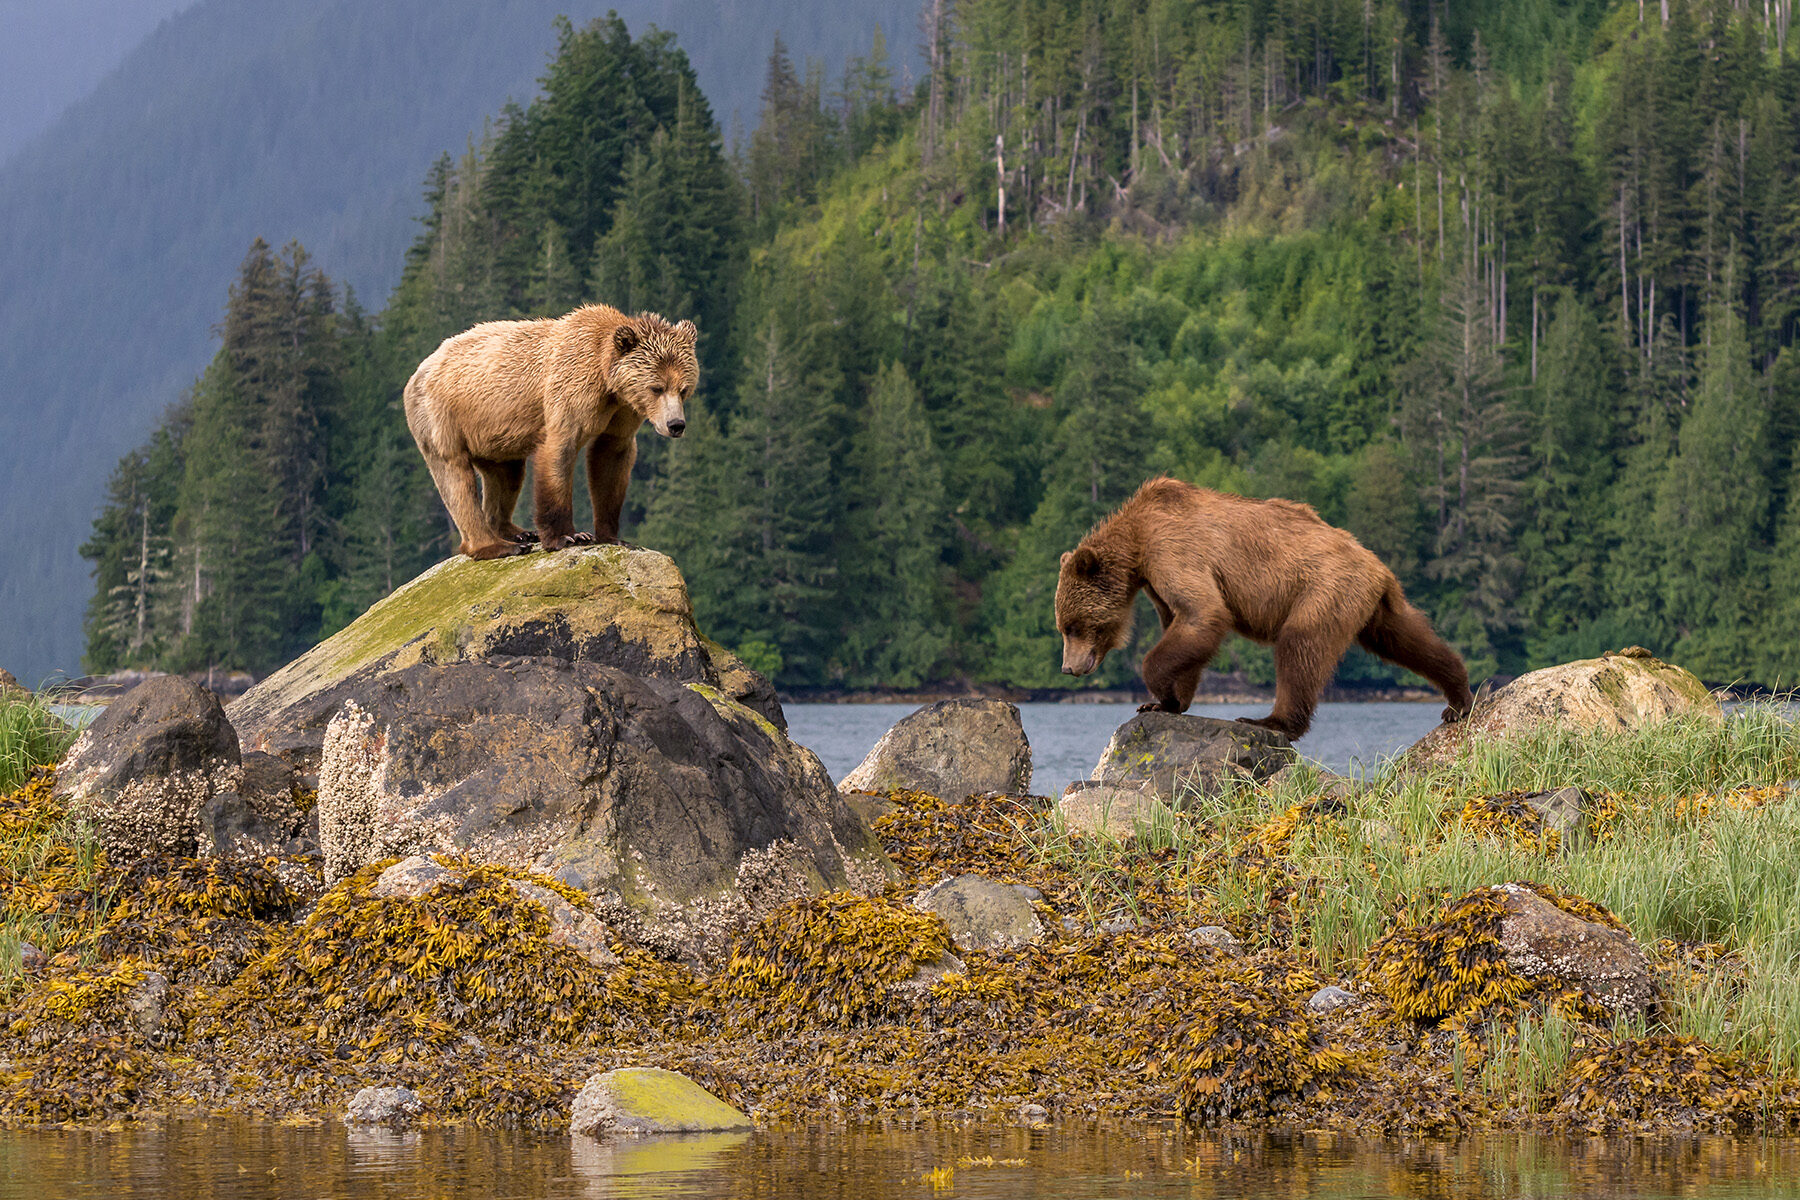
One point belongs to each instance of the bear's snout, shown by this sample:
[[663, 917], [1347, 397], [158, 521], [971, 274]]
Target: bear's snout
[[676, 427]]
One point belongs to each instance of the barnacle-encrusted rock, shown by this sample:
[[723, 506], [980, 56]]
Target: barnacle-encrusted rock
[[1171, 753], [953, 748], [1111, 810], [650, 1100], [673, 801], [148, 764], [395, 1107], [1610, 694], [1496, 950], [606, 605], [980, 913]]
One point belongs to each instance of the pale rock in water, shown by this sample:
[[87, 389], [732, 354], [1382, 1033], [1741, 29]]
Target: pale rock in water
[[639, 1100], [952, 749], [1610, 694]]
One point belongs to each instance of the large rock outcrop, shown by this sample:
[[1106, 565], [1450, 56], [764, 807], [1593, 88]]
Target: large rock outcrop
[[1609, 694], [611, 605], [1167, 754], [560, 713], [952, 749]]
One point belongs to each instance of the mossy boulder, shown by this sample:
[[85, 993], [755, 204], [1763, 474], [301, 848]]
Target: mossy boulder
[[1610, 694], [641, 1100], [607, 605], [1167, 754]]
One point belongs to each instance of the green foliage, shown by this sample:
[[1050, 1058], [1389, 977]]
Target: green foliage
[[1509, 291]]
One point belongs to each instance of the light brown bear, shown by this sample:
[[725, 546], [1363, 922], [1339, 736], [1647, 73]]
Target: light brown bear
[[504, 392], [1271, 570]]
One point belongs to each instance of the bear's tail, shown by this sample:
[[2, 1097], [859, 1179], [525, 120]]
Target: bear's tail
[[1402, 635]]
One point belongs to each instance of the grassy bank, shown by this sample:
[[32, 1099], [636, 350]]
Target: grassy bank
[[38, 847], [283, 1001]]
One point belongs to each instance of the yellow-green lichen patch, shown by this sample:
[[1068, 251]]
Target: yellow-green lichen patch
[[831, 960], [654, 1100], [1664, 1082], [731, 709]]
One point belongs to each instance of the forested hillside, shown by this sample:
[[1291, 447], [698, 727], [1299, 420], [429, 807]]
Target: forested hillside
[[1511, 290], [121, 226]]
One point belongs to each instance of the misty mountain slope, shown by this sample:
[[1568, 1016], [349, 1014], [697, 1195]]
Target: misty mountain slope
[[121, 228]]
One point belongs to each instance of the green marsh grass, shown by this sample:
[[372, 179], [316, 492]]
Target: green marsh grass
[[31, 736]]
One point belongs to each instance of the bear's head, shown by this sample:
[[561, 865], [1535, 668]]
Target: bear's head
[[654, 369], [1093, 609]]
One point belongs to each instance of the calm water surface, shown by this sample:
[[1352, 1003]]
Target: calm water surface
[[1066, 739], [236, 1160]]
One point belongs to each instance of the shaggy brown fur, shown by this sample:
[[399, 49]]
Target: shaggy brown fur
[[1270, 570], [504, 392]]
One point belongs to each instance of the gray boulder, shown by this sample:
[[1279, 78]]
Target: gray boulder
[[671, 803], [1109, 810], [981, 914], [1218, 937], [1172, 753], [1541, 939], [1566, 812], [639, 1100], [147, 1003], [1329, 999], [146, 767], [952, 749], [395, 1107]]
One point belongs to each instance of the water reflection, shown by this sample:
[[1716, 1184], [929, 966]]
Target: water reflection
[[238, 1160]]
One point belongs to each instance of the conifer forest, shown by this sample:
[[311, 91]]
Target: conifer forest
[[1508, 288]]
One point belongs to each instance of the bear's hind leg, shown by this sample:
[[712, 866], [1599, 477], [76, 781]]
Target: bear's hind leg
[[1400, 633], [1304, 661], [1173, 666], [501, 483], [455, 479]]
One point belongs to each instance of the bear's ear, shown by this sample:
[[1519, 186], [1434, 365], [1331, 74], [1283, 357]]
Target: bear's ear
[[625, 340], [1084, 561], [686, 332], [1066, 557]]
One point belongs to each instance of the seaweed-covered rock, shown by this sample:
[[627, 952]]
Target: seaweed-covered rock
[[640, 1100], [953, 749], [1609, 694], [603, 605], [1544, 939], [146, 767], [1665, 1082], [669, 800], [1168, 753], [980, 913], [1113, 811]]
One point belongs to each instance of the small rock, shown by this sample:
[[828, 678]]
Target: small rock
[[1071, 925], [1031, 894], [1171, 753], [1033, 1112], [395, 1107], [1384, 834], [952, 749], [1324, 783], [1328, 998], [1565, 811], [1218, 937], [146, 1003], [1116, 925], [650, 1100], [411, 878], [30, 957], [1105, 809], [981, 914]]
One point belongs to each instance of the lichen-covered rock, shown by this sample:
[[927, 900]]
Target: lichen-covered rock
[[605, 605], [1218, 937], [953, 749], [395, 1107], [1610, 694], [147, 765], [1170, 754], [638, 1100], [981, 914], [669, 800], [1112, 811], [146, 1003]]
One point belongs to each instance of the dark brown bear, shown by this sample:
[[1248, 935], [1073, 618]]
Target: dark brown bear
[[1271, 570]]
